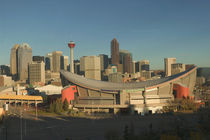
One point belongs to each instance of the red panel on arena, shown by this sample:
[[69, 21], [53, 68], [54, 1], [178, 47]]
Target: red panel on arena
[[181, 91], [68, 93]]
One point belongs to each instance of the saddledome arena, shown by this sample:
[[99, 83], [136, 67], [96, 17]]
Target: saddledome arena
[[138, 97]]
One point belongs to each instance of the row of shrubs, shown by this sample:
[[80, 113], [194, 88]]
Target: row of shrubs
[[58, 106]]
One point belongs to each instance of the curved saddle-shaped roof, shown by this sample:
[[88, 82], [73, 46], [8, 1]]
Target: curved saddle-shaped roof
[[104, 85]]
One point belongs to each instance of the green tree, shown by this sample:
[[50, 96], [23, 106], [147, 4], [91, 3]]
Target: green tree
[[52, 107], [65, 105], [57, 107]]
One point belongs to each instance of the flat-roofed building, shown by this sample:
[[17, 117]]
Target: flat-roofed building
[[91, 67], [115, 77], [5, 70], [38, 58], [142, 65], [37, 72], [14, 61], [64, 62], [127, 61], [24, 58], [76, 67], [56, 61], [146, 74], [48, 62], [6, 81], [168, 62], [177, 68], [104, 61], [115, 51]]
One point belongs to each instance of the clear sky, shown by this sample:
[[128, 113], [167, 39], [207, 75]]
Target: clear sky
[[149, 29]]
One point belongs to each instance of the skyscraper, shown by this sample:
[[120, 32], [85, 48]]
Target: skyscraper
[[64, 62], [142, 65], [14, 61], [104, 61], [115, 51], [24, 58], [126, 61], [91, 67], [37, 72], [76, 67], [56, 60], [48, 62], [168, 62]]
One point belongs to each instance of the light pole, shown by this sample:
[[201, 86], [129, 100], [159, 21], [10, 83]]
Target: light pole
[[71, 45]]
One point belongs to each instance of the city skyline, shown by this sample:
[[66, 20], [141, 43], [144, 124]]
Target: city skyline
[[148, 29]]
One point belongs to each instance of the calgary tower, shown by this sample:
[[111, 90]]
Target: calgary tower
[[71, 45]]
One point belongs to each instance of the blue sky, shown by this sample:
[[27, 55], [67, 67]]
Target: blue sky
[[149, 29]]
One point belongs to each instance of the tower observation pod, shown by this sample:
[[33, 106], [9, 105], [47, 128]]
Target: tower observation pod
[[71, 45]]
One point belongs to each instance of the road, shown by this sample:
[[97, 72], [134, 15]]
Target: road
[[21, 125]]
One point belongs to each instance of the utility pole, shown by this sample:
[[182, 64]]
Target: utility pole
[[21, 127]]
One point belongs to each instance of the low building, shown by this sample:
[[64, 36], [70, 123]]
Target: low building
[[115, 77], [146, 74], [200, 81], [50, 76], [6, 81], [177, 68], [49, 90], [4, 70]]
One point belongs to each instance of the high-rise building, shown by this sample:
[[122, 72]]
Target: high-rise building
[[24, 58], [56, 61], [115, 51], [168, 62], [134, 66], [91, 67], [76, 67], [104, 61], [14, 61], [144, 65], [48, 62], [126, 61], [64, 62], [38, 58], [37, 72]]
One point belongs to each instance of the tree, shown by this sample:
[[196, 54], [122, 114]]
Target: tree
[[52, 107], [65, 105]]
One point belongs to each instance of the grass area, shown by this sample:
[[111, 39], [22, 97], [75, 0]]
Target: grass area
[[70, 113]]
